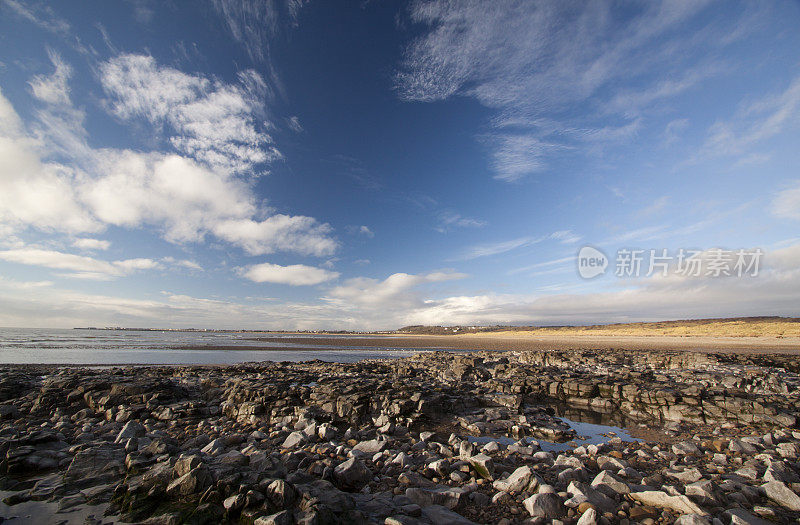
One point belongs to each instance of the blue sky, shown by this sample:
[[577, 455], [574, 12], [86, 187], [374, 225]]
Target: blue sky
[[300, 164]]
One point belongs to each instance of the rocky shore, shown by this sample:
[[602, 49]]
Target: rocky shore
[[440, 438]]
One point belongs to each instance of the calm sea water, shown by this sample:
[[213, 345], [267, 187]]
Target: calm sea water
[[108, 347]]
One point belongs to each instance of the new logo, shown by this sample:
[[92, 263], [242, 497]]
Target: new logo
[[591, 262]]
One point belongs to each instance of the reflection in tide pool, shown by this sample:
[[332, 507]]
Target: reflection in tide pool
[[593, 434], [586, 434]]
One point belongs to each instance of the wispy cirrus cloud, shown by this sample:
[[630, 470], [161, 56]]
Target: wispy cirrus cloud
[[255, 24], [563, 261], [787, 203], [496, 248], [450, 220], [79, 266], [532, 62], [40, 14], [754, 123], [53, 88]]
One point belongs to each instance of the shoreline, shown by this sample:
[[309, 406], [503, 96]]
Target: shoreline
[[526, 342]]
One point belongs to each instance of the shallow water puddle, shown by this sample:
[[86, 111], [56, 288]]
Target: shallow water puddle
[[594, 434], [586, 434]]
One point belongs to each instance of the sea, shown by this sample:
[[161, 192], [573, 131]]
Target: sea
[[169, 347]]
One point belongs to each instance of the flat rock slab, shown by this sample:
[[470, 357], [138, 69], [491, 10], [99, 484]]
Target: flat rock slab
[[781, 494], [444, 516], [656, 498]]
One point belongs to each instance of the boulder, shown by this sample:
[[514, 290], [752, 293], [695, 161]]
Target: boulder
[[742, 517], [584, 492], [132, 429], [483, 465], [372, 446], [294, 439], [352, 475], [589, 517], [283, 517], [450, 497], [781, 494], [281, 494], [516, 481], [546, 505], [186, 464], [194, 481], [610, 481]]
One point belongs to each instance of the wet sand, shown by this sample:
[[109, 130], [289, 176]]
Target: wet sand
[[529, 341]]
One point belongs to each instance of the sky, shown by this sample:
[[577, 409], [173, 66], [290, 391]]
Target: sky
[[296, 164]]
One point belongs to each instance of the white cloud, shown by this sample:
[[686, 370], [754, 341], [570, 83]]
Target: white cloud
[[187, 200], [295, 274], [396, 291], [402, 299], [91, 244], [185, 263], [773, 292], [12, 284], [363, 231], [299, 234], [80, 266], [784, 259], [208, 120], [35, 192], [294, 124], [515, 156], [787, 203], [182, 197], [131, 265], [53, 89], [552, 53]]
